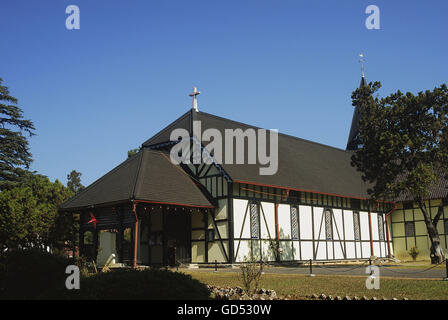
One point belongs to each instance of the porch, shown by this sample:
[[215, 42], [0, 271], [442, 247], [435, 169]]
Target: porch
[[140, 212]]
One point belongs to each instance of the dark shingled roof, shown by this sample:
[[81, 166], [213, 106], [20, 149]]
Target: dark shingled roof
[[147, 176], [303, 165], [183, 122], [437, 190]]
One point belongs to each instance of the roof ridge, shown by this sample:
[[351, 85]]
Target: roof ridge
[[283, 134], [166, 128], [136, 180]]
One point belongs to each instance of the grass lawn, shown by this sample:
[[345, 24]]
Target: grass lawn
[[415, 264], [303, 286]]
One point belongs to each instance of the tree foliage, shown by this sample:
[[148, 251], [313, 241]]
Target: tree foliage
[[74, 181], [29, 215], [15, 156], [403, 146], [133, 152]]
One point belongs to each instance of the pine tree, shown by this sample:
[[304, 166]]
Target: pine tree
[[404, 148], [15, 156], [74, 181]]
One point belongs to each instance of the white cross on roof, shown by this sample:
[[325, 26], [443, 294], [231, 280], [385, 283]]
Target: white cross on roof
[[195, 100]]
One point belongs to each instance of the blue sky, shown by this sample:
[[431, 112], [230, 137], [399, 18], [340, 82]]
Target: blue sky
[[97, 92]]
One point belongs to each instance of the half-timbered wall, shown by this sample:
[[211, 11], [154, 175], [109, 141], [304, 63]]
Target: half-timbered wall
[[210, 230], [317, 227], [209, 177], [409, 228]]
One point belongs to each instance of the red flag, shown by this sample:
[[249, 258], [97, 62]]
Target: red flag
[[92, 220]]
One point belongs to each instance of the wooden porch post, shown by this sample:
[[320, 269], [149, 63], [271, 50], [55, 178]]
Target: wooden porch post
[[388, 236], [95, 245], [74, 236], [164, 242], [119, 240], [149, 221], [134, 209], [230, 221], [81, 235], [205, 219]]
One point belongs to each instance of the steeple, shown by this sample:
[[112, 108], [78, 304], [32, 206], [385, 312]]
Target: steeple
[[354, 129], [363, 82]]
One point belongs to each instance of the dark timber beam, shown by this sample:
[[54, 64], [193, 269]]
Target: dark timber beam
[[134, 210], [230, 220], [277, 233], [206, 240]]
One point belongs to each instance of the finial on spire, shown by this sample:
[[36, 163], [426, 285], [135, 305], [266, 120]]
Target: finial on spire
[[362, 60], [195, 100]]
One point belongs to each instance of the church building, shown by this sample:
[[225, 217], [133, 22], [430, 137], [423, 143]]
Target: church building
[[150, 210]]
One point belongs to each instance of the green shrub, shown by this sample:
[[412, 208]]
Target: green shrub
[[27, 274], [250, 274], [137, 285], [414, 252]]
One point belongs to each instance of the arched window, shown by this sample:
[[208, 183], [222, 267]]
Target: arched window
[[294, 223], [254, 220], [328, 224], [380, 227], [356, 225]]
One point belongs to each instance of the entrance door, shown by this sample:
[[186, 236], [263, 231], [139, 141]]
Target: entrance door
[[177, 228], [166, 237]]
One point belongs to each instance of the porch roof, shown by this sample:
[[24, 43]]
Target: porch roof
[[147, 176]]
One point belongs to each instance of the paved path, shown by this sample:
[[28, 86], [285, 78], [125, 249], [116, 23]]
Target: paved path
[[385, 271]]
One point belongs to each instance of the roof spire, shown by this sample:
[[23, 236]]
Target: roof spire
[[354, 129], [195, 99], [361, 59], [363, 75]]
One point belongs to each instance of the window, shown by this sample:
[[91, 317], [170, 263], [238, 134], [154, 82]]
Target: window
[[127, 235], [254, 220], [88, 248], [211, 235], [409, 229], [294, 223], [407, 205], [295, 195], [328, 225], [380, 227], [355, 204], [88, 237], [356, 225], [445, 224]]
